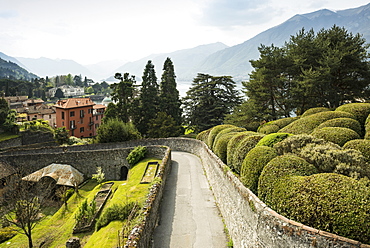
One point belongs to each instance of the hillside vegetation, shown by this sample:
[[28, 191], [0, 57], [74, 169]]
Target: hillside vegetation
[[313, 168]]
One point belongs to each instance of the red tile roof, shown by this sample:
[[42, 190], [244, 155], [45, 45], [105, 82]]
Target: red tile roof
[[74, 103]]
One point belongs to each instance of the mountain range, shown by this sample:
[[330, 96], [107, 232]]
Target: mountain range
[[215, 58]]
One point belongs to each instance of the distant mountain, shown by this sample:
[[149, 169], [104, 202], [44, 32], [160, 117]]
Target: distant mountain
[[12, 59], [50, 67], [105, 69], [185, 61], [234, 61], [11, 70]]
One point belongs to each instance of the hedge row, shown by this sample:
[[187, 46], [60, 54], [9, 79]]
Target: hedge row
[[275, 126], [337, 135]]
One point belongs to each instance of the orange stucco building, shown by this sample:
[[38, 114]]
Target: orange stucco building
[[78, 116]]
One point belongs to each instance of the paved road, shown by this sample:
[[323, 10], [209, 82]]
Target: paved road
[[189, 216]]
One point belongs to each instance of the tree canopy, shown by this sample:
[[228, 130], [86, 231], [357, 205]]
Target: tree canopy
[[326, 69], [209, 99]]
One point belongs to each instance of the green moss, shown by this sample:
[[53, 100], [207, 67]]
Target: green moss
[[327, 201], [343, 122], [312, 111], [253, 164], [309, 123], [360, 110], [245, 145], [361, 145], [232, 145], [273, 138], [279, 168], [213, 133], [337, 135]]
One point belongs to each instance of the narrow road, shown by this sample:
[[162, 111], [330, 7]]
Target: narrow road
[[189, 216]]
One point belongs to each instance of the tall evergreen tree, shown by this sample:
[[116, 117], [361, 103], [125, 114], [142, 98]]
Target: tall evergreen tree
[[148, 99], [208, 101], [123, 94], [169, 95]]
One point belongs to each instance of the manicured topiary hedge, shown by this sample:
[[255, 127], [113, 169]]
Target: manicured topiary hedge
[[275, 126], [337, 135], [360, 110], [343, 122], [226, 131], [222, 139], [326, 201], [309, 123], [278, 169], [253, 165], [273, 138], [367, 128], [213, 133], [325, 156], [232, 145], [245, 145], [361, 145], [312, 111], [203, 136]]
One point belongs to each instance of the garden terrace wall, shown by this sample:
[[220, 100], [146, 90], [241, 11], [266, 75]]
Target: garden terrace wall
[[111, 157], [249, 221]]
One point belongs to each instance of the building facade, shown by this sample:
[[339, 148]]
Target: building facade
[[77, 115]]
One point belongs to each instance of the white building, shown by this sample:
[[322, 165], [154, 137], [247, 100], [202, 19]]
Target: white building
[[68, 91]]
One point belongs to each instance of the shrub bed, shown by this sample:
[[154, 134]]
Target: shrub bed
[[213, 133], [253, 165], [361, 145], [232, 145], [203, 136], [278, 169], [115, 212], [343, 122], [327, 201], [221, 141], [337, 135], [359, 110], [273, 138], [367, 128], [312, 111], [241, 151], [276, 125], [136, 155], [309, 123]]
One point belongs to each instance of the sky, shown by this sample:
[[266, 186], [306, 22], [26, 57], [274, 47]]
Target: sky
[[91, 31]]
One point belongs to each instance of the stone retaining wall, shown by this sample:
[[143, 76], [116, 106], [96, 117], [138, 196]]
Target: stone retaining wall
[[249, 221]]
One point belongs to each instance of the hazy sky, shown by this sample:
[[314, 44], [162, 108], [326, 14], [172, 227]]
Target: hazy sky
[[89, 31]]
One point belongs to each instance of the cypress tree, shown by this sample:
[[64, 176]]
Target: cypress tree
[[168, 93]]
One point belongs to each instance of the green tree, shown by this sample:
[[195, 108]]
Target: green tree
[[208, 100], [246, 115], [123, 94], [4, 111], [115, 130], [164, 126], [169, 95], [61, 135], [59, 93], [148, 99]]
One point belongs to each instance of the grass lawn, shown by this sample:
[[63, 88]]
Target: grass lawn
[[56, 229]]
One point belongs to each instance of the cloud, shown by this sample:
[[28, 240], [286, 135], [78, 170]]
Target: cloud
[[229, 13]]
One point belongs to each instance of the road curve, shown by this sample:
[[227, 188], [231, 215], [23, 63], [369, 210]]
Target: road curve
[[189, 216]]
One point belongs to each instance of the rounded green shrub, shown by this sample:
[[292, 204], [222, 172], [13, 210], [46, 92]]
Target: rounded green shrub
[[360, 110], [115, 212], [326, 201], [343, 122], [308, 124], [268, 128], [203, 136], [278, 169], [226, 131], [312, 111], [273, 138], [233, 144], [136, 155], [241, 151], [337, 135], [276, 125], [367, 128], [253, 165], [221, 141], [213, 133], [361, 145]]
